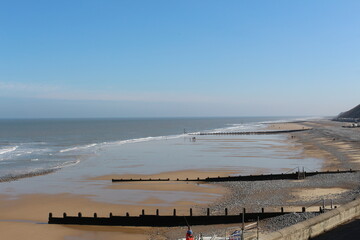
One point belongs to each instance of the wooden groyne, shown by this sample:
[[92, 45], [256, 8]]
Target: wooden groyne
[[157, 220], [267, 177], [252, 133], [262, 177], [141, 180]]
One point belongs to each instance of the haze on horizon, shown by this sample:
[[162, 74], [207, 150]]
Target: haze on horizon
[[137, 58]]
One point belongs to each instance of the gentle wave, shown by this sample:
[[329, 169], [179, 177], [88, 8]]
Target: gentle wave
[[65, 164], [8, 150], [78, 148], [146, 139], [121, 142], [244, 127]]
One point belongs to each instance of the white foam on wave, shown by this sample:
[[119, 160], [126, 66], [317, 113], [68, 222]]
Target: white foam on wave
[[121, 142], [243, 127], [21, 151], [66, 164], [8, 149], [146, 139], [79, 148]]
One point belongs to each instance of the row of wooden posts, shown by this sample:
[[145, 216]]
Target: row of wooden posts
[[303, 209], [263, 177], [158, 220]]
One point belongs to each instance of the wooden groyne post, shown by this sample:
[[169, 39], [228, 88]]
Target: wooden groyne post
[[167, 220]]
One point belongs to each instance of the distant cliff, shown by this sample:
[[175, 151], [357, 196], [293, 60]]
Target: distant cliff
[[353, 115]]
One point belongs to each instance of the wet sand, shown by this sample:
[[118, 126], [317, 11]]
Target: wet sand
[[25, 218], [25, 215], [338, 146], [29, 212]]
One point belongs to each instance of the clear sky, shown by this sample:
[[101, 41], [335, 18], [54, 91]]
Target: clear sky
[[152, 58]]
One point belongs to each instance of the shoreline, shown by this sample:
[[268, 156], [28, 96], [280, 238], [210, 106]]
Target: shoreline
[[10, 178], [292, 194], [316, 143]]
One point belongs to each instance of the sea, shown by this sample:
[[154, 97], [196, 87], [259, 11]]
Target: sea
[[36, 146], [80, 156]]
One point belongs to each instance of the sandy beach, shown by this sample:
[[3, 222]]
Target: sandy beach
[[132, 120], [25, 216]]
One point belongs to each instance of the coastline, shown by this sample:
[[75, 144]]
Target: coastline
[[10, 178], [27, 211]]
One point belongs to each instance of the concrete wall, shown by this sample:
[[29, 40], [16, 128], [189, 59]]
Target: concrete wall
[[317, 225]]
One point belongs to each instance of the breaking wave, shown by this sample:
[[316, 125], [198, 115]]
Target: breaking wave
[[120, 142], [79, 148], [8, 150]]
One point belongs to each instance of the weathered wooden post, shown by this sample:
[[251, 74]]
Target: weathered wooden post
[[127, 214], [143, 212], [226, 211], [174, 212], [303, 209], [282, 209], [157, 212], [243, 224], [298, 173], [64, 215], [262, 210], [304, 173], [208, 212], [110, 215], [95, 215], [191, 213], [257, 229], [79, 215]]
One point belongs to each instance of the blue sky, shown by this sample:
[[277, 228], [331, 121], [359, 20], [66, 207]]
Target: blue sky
[[178, 58]]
